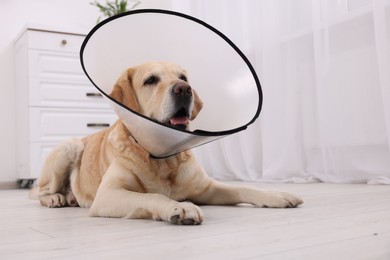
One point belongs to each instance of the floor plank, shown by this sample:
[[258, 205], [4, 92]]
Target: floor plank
[[336, 222]]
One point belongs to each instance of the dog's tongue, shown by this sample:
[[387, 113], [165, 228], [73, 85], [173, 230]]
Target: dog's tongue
[[180, 120]]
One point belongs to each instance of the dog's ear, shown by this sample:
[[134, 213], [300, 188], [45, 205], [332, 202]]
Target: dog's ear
[[123, 91], [198, 104]]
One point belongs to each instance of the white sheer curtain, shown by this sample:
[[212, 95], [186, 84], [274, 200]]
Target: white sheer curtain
[[324, 66]]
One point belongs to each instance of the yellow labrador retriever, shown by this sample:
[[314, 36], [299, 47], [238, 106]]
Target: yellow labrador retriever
[[112, 175]]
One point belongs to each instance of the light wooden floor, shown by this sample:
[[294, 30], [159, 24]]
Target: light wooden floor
[[336, 222]]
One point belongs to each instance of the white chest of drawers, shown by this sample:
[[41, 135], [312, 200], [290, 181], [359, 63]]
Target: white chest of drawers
[[54, 99]]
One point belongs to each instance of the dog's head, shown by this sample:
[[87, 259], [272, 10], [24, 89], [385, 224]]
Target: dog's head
[[159, 91]]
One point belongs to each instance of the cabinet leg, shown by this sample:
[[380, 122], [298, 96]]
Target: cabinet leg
[[26, 183]]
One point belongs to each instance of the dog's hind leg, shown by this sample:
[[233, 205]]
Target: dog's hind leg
[[54, 181]]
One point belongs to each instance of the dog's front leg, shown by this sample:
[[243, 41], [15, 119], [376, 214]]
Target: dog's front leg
[[223, 194], [116, 198]]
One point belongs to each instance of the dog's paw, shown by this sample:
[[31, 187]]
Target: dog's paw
[[276, 199], [186, 213], [71, 200], [53, 200]]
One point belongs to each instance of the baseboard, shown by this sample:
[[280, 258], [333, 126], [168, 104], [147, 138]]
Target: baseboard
[[9, 185]]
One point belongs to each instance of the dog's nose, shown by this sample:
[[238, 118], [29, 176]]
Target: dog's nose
[[182, 89]]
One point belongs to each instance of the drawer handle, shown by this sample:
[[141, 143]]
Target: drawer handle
[[64, 42], [91, 94], [98, 125]]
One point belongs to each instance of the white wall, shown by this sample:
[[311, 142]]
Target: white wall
[[15, 14]]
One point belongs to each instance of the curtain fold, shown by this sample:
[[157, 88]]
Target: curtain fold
[[324, 66]]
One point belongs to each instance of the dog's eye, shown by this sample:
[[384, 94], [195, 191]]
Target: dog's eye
[[152, 80], [183, 77]]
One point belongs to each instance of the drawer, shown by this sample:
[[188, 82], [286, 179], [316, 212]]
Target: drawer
[[61, 42], [56, 93], [53, 125], [54, 65], [38, 155]]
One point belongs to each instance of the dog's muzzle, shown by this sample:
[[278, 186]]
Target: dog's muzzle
[[182, 98]]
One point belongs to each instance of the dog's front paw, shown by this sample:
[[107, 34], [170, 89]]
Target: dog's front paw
[[276, 199], [186, 213]]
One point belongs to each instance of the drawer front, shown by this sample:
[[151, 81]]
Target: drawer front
[[61, 42], [53, 125], [52, 65], [54, 93], [38, 155]]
